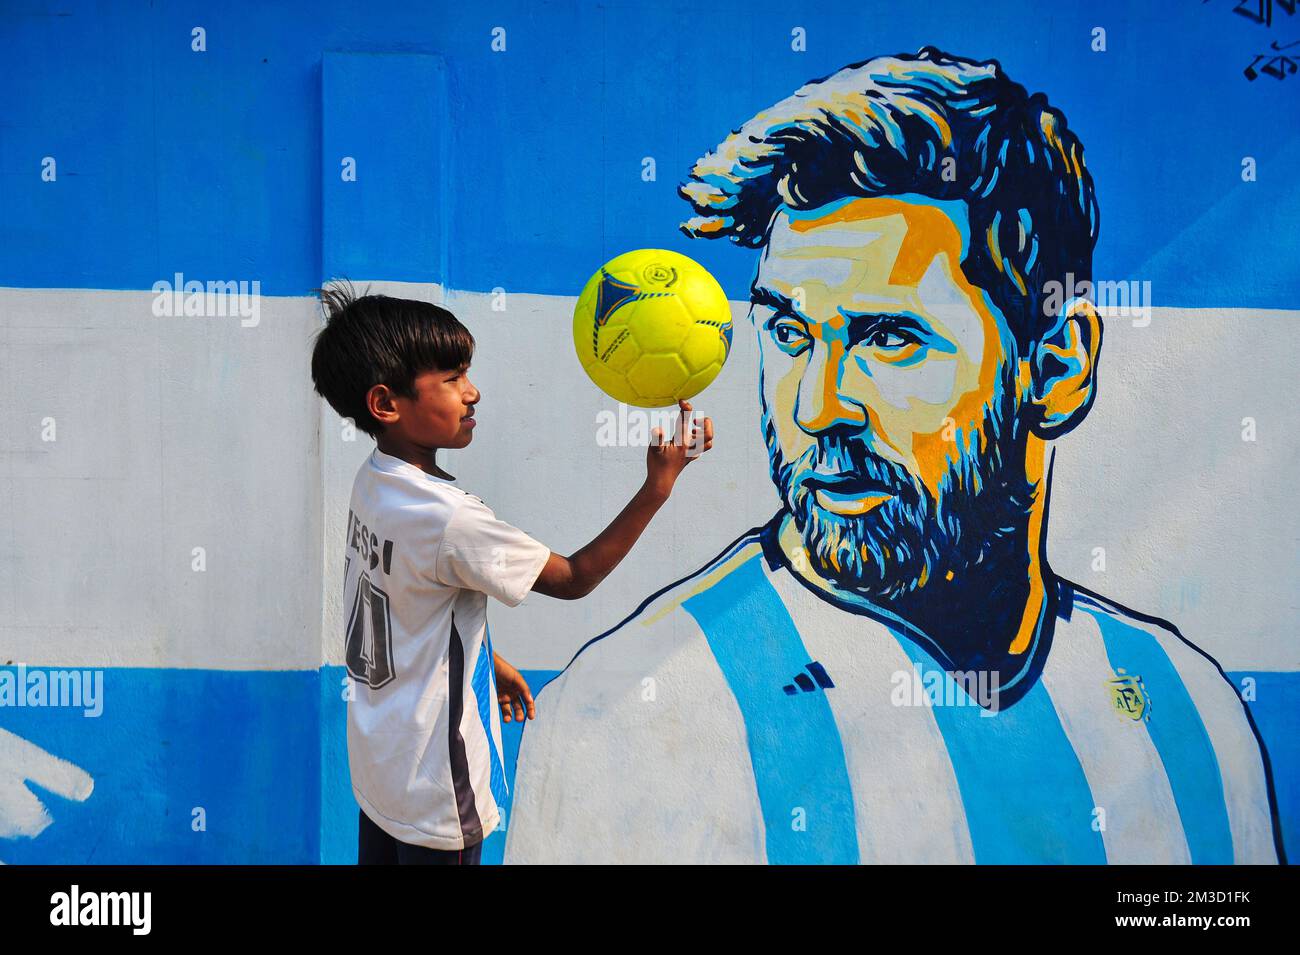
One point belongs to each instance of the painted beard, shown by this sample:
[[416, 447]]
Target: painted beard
[[914, 536]]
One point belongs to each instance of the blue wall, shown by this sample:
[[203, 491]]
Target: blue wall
[[211, 163], [265, 754]]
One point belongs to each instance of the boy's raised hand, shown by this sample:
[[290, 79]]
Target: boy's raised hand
[[571, 578], [666, 459]]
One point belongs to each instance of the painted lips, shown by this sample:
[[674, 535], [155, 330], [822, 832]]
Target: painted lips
[[848, 495]]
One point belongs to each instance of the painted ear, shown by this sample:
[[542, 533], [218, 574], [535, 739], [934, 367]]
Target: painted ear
[[1065, 369]]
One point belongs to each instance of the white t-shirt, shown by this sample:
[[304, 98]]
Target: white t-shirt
[[424, 731]]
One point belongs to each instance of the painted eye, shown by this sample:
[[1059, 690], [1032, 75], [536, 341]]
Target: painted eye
[[889, 338], [789, 336]]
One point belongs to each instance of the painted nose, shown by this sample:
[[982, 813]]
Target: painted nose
[[822, 403]]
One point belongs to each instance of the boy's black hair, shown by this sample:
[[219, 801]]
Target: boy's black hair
[[377, 340]]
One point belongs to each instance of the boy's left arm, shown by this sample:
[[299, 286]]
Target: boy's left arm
[[512, 690]]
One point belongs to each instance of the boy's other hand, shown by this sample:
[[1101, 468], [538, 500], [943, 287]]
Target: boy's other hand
[[665, 460], [512, 691]]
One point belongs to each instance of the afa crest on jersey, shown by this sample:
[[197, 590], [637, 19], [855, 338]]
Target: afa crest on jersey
[[1129, 696]]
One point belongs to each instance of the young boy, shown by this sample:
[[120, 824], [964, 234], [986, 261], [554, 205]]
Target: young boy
[[422, 557]]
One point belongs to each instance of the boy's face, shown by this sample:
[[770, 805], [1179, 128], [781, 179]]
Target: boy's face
[[440, 416]]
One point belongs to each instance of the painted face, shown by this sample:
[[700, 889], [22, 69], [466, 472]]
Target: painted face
[[888, 391]]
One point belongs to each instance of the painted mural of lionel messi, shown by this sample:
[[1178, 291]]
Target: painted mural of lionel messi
[[888, 670]]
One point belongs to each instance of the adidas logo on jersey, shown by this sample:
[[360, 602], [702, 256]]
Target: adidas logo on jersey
[[803, 682]]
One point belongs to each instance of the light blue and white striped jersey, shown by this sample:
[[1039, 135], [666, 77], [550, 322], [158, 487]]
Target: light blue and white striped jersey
[[741, 716]]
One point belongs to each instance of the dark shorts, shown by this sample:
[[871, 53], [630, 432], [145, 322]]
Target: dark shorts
[[376, 847]]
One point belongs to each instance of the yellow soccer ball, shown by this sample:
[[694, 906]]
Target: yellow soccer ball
[[652, 326]]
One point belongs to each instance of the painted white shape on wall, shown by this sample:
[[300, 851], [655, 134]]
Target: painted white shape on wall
[[172, 434], [22, 814]]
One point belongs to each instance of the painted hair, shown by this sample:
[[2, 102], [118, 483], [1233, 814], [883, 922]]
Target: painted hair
[[932, 124]]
